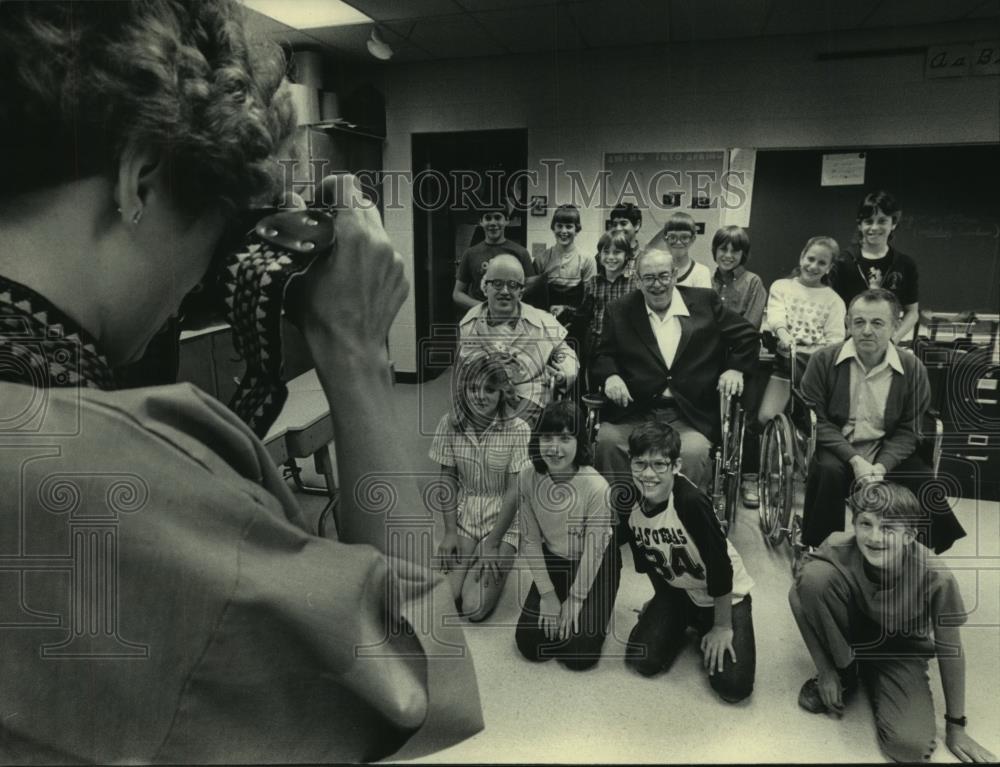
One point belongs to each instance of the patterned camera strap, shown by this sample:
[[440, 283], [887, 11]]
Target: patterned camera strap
[[42, 347], [280, 247]]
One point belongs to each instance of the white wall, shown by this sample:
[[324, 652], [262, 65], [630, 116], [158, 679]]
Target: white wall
[[767, 92]]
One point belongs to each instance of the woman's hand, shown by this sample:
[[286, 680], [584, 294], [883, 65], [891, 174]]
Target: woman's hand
[[964, 747], [448, 553], [348, 299], [548, 614], [714, 646]]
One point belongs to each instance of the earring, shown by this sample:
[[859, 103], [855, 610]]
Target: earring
[[137, 217]]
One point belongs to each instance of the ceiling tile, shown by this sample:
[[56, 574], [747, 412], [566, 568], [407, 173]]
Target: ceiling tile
[[349, 40], [988, 9], [716, 19], [448, 37], [538, 28], [265, 26], [794, 17], [626, 22], [477, 6], [391, 10], [892, 13], [420, 30]]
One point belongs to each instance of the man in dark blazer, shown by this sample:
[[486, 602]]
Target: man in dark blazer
[[870, 399], [666, 352]]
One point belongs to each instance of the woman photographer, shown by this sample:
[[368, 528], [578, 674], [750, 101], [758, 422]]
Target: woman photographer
[[202, 622]]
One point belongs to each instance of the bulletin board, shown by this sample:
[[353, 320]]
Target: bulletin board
[[950, 197], [662, 183]]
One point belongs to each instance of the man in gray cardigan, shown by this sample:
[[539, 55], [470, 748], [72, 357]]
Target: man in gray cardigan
[[870, 399]]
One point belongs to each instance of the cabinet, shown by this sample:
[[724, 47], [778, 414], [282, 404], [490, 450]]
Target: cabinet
[[209, 360], [965, 390]]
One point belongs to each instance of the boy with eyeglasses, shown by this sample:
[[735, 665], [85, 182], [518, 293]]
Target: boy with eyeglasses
[[697, 575], [679, 234]]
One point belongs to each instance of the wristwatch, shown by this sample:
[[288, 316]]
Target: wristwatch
[[958, 721]]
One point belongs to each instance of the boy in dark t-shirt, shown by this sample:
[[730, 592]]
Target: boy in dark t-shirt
[[697, 575], [876, 264], [468, 291]]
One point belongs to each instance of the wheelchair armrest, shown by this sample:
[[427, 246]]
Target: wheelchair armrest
[[931, 440], [593, 401]]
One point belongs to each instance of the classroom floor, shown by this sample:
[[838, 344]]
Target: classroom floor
[[545, 713]]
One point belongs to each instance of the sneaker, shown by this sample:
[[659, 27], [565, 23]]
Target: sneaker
[[748, 491], [809, 697], [812, 701]]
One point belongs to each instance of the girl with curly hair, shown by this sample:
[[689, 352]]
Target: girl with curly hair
[[183, 611]]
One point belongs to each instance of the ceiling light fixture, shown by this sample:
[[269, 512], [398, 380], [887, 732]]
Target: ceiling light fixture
[[378, 47], [309, 14]]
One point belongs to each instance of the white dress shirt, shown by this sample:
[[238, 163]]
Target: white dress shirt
[[668, 330]]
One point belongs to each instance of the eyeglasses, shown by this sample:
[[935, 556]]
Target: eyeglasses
[[511, 285], [649, 280], [660, 467], [679, 239]]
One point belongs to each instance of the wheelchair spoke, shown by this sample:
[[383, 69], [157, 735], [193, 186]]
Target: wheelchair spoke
[[786, 440], [767, 469]]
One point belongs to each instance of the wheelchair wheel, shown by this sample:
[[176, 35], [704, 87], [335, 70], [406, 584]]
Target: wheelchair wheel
[[777, 466]]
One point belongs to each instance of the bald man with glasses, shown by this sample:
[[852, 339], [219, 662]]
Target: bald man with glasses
[[667, 352], [540, 358]]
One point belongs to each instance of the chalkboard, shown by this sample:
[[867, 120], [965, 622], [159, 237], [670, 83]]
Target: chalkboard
[[951, 215]]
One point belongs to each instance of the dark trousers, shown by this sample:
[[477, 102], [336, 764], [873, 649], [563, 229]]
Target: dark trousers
[[754, 384], [896, 679], [661, 634], [582, 649], [831, 480]]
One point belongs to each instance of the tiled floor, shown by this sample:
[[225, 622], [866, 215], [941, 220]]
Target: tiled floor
[[544, 713]]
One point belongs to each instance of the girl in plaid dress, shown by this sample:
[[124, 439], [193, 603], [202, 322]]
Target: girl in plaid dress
[[481, 446]]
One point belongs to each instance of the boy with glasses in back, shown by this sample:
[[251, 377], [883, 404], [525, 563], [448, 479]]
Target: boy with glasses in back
[[679, 234]]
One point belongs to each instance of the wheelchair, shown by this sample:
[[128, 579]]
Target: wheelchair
[[727, 455], [788, 444]]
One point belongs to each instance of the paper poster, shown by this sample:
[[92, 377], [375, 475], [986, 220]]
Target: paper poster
[[843, 169], [742, 163], [663, 183]]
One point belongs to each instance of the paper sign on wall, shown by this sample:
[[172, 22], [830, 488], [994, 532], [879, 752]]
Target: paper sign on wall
[[843, 169], [668, 182], [742, 164]]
